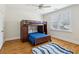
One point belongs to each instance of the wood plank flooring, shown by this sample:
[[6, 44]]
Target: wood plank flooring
[[68, 45], [17, 47]]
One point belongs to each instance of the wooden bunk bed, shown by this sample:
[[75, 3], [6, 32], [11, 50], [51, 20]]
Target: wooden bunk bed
[[41, 29]]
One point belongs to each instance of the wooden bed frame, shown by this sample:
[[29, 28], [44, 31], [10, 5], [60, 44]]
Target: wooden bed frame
[[42, 40], [41, 27]]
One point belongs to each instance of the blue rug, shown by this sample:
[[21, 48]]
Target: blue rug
[[50, 48]]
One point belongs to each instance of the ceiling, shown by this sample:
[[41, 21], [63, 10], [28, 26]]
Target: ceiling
[[53, 7]]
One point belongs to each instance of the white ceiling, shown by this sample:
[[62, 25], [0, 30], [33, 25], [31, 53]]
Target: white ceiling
[[53, 7]]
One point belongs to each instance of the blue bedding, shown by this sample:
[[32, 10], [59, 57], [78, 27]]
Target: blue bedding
[[36, 35]]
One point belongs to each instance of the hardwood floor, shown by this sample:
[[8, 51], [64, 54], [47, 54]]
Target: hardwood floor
[[17, 47], [71, 46]]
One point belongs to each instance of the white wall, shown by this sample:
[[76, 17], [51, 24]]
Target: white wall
[[14, 14], [68, 36], [2, 14]]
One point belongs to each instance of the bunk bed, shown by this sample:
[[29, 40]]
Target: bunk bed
[[35, 38]]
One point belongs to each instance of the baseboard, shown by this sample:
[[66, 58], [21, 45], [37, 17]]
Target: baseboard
[[7, 39], [14, 38], [65, 40], [1, 46]]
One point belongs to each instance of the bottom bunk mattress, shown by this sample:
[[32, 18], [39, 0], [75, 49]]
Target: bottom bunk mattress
[[50, 48], [34, 36]]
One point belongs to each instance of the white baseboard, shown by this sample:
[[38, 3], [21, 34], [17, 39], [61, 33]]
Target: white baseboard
[[14, 38], [7, 39], [1, 45], [71, 41]]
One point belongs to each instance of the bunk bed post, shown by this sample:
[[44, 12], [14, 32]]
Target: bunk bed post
[[45, 28], [23, 31]]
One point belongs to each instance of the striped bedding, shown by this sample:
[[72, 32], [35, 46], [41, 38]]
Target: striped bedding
[[50, 48]]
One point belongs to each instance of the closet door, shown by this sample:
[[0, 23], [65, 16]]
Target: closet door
[[1, 30], [1, 25]]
